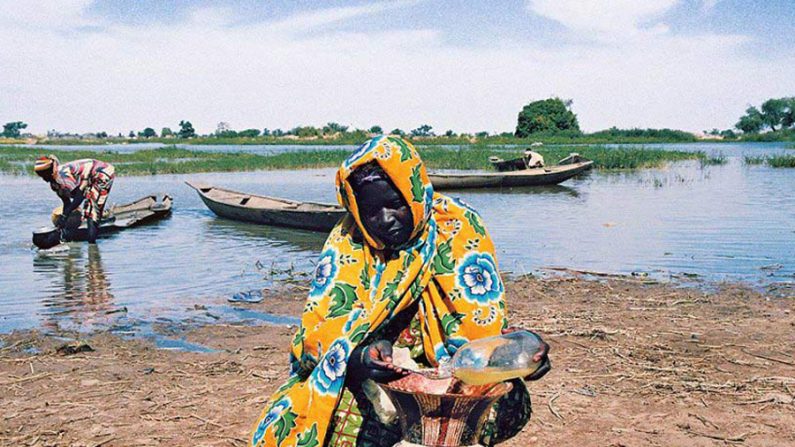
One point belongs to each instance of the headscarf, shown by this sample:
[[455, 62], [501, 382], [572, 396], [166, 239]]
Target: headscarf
[[44, 163], [448, 267]]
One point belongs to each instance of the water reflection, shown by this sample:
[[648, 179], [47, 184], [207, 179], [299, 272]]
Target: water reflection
[[78, 285], [524, 190], [283, 238]]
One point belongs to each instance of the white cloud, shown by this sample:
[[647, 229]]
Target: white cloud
[[314, 19], [43, 13], [708, 5], [605, 19], [117, 78]]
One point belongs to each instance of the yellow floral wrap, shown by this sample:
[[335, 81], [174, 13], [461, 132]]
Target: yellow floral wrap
[[449, 265]]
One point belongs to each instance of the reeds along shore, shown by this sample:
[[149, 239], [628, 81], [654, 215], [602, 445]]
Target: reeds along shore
[[774, 161], [609, 136], [174, 160]]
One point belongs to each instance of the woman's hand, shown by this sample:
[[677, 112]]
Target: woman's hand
[[60, 222], [542, 356], [374, 361]]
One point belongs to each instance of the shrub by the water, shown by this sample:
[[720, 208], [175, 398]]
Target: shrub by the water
[[651, 134], [781, 135]]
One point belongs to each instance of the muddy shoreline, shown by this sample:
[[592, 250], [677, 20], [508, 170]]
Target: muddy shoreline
[[633, 365]]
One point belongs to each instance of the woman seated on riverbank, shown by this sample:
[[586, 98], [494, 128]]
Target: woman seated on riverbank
[[406, 267]]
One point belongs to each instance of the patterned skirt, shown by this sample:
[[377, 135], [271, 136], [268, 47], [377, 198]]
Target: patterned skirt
[[356, 424]]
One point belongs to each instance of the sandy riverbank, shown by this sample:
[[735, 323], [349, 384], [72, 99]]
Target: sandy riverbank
[[633, 365]]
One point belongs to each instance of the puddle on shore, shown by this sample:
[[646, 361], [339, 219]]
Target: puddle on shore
[[172, 344], [253, 316]]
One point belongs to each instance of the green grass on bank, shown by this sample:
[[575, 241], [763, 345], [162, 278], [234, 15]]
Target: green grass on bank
[[173, 160]]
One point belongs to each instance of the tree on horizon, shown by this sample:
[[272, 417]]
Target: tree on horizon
[[551, 115], [423, 131], [773, 112], [186, 129], [13, 129]]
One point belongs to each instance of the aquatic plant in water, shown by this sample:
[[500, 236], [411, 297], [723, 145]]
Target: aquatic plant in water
[[754, 159], [713, 159], [781, 161], [774, 161]]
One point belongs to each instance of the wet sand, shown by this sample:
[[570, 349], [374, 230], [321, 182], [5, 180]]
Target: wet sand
[[633, 365]]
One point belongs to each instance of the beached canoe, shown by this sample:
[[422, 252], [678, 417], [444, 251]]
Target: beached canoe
[[117, 218], [269, 210], [549, 175]]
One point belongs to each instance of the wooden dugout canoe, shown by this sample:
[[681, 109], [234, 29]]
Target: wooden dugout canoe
[[116, 218], [269, 210], [548, 175]]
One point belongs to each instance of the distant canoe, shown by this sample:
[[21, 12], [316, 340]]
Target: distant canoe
[[269, 210], [550, 175], [117, 218], [528, 160], [516, 164]]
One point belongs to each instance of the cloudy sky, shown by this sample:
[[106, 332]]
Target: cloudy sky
[[466, 65]]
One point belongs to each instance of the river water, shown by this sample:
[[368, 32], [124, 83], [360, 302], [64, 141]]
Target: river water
[[713, 223]]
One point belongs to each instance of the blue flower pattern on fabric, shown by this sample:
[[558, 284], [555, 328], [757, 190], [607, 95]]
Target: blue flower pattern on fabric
[[273, 414], [352, 319], [361, 150], [464, 205], [441, 354], [428, 201], [295, 364], [325, 273], [478, 278], [379, 271], [329, 375], [429, 249], [444, 352], [453, 344]]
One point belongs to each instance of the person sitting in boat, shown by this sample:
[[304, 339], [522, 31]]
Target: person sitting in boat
[[77, 182], [533, 159], [406, 269]]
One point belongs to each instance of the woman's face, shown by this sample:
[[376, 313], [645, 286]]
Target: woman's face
[[47, 175], [384, 212]]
